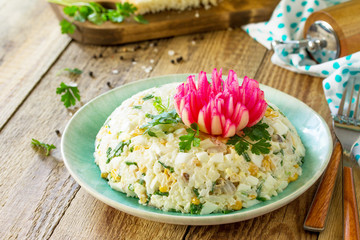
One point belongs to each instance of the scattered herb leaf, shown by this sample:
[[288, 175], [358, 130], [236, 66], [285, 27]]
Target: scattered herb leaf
[[42, 145], [195, 209], [110, 154], [137, 107], [258, 134], [190, 139], [67, 27], [171, 169], [74, 71], [196, 191], [161, 193], [70, 94], [170, 117], [131, 163], [150, 96], [159, 106], [246, 156]]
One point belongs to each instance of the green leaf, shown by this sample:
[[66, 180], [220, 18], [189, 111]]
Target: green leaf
[[115, 16], [261, 146], [159, 106], [164, 118], [96, 18], [241, 147], [161, 193], [190, 139], [150, 96], [42, 145], [140, 19], [131, 163], [168, 167], [110, 154], [258, 132], [70, 94], [74, 71], [195, 209], [196, 191], [70, 10], [67, 27]]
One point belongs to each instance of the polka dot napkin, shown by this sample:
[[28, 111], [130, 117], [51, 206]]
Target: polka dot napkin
[[287, 23]]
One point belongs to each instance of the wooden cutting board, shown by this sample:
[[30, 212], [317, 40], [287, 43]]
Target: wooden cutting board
[[229, 13]]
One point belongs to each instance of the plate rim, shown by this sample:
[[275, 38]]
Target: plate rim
[[195, 219]]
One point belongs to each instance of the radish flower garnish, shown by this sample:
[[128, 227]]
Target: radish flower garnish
[[220, 108]]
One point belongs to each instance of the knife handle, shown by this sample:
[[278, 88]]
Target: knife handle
[[351, 217], [315, 220]]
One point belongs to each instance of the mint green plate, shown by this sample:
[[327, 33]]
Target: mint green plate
[[77, 147]]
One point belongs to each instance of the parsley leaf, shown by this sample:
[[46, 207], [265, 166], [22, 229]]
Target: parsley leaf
[[131, 163], [74, 71], [260, 137], [96, 13], [45, 146], [190, 139], [67, 27], [164, 118], [70, 94]]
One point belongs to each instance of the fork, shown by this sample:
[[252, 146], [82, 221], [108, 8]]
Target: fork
[[347, 129]]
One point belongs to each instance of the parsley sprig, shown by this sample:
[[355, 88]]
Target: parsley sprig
[[190, 139], [70, 94], [259, 137], [170, 117], [45, 146], [72, 71], [96, 13]]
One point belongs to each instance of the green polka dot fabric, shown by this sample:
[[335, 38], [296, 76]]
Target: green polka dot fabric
[[287, 23]]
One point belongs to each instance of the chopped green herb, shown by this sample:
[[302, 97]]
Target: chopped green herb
[[281, 152], [246, 157], [96, 13], [168, 167], [227, 211], [284, 136], [213, 187], [97, 147], [258, 134], [149, 198], [150, 96], [117, 150], [131, 163], [45, 146], [143, 174], [131, 187], [195, 209], [151, 134], [142, 181], [190, 139], [159, 106], [170, 117], [196, 191], [131, 148], [293, 149], [302, 161], [258, 192], [173, 210], [137, 107], [161, 193], [281, 162], [70, 94]]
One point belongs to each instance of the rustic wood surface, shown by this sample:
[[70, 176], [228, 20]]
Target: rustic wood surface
[[228, 13], [38, 197]]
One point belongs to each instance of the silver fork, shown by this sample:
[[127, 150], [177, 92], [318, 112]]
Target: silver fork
[[347, 129]]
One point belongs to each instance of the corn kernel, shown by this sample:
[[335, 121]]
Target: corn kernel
[[163, 141], [253, 169], [143, 169], [296, 166], [114, 175], [237, 205], [252, 196], [293, 178], [196, 162], [271, 113], [163, 189], [109, 132], [136, 148], [195, 201], [104, 174]]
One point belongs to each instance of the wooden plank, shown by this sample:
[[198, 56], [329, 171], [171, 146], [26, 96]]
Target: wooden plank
[[95, 218], [286, 222], [228, 13], [30, 42]]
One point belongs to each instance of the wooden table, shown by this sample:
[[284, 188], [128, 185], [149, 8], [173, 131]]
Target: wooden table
[[38, 197]]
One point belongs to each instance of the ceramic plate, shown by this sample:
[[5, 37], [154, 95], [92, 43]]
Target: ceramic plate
[[78, 146]]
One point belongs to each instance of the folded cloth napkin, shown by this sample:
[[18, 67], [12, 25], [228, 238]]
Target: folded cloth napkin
[[287, 23]]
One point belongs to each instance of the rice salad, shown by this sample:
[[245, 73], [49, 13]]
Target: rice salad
[[147, 163]]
